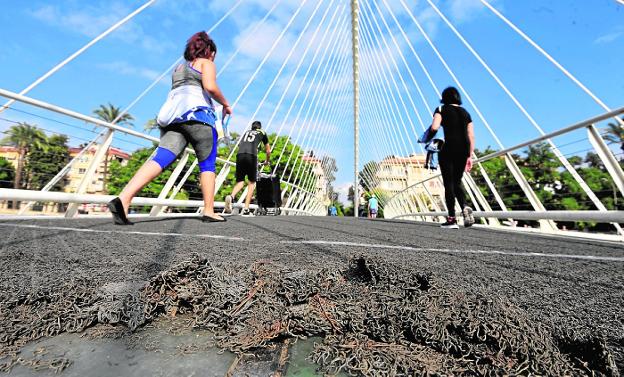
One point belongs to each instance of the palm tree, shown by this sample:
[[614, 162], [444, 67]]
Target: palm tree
[[112, 114], [109, 113], [24, 137], [615, 134], [150, 125]]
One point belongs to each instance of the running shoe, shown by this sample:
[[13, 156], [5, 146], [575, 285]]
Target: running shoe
[[468, 217], [228, 204], [451, 223], [247, 213]]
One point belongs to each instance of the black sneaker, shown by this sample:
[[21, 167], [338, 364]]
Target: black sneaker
[[117, 210], [247, 213], [468, 217], [451, 223]]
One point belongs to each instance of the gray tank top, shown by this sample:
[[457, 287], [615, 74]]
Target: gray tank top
[[184, 74]]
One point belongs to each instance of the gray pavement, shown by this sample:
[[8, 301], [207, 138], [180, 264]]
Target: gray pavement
[[572, 283]]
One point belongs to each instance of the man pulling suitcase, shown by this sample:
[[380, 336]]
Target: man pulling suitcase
[[246, 164]]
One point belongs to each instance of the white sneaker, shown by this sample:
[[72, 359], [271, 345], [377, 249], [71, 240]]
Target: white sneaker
[[228, 204], [468, 217], [247, 213]]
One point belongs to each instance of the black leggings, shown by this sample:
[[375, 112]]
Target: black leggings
[[452, 168]]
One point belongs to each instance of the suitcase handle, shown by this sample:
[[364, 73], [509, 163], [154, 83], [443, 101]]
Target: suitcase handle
[[262, 165]]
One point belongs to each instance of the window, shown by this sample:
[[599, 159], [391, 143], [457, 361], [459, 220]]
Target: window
[[82, 171]]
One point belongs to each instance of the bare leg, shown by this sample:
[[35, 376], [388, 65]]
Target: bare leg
[[142, 177], [250, 190], [237, 187], [207, 181]]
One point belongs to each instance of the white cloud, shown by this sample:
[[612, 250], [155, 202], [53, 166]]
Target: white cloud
[[91, 21], [343, 191], [467, 10], [125, 68], [610, 37]]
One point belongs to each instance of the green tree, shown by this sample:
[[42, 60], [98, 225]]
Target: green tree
[[121, 174], [112, 114], [44, 162], [615, 134], [7, 173], [367, 173], [151, 124], [24, 137]]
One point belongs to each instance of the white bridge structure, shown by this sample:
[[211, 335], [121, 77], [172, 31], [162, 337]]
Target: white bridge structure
[[369, 75]]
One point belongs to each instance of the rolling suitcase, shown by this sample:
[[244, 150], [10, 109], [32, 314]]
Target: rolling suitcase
[[268, 194]]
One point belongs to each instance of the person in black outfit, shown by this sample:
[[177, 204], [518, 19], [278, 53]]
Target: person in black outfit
[[455, 156], [247, 164]]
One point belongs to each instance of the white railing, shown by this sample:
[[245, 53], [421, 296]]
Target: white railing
[[316, 208], [396, 207]]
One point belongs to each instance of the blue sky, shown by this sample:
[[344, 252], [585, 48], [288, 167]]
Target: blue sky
[[586, 37]]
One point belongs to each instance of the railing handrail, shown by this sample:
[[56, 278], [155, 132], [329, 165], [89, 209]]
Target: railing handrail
[[84, 118], [576, 126], [65, 197], [99, 122], [588, 215]]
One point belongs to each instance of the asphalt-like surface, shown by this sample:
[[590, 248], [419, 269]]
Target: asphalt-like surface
[[573, 283]]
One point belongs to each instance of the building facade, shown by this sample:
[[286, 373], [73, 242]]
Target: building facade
[[79, 168], [74, 177], [321, 183], [395, 174]]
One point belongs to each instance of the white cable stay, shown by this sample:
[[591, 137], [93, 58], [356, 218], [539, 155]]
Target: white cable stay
[[325, 67], [283, 94], [78, 52], [319, 101], [281, 69], [379, 31], [249, 36], [264, 60], [550, 58], [337, 118], [319, 144], [434, 86], [396, 67], [302, 59], [175, 63], [311, 180], [314, 106], [555, 150], [528, 191], [372, 105], [377, 127], [328, 67]]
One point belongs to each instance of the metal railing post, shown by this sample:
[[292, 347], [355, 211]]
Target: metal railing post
[[63, 172], [100, 155], [606, 156], [156, 210], [546, 225]]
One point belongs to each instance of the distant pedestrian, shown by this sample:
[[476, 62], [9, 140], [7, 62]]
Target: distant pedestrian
[[333, 211], [188, 115], [247, 164], [373, 206], [455, 156]]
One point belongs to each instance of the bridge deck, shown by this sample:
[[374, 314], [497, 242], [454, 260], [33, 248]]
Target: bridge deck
[[573, 283]]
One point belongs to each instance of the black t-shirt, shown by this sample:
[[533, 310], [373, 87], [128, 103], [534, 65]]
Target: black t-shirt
[[251, 140], [455, 121]]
